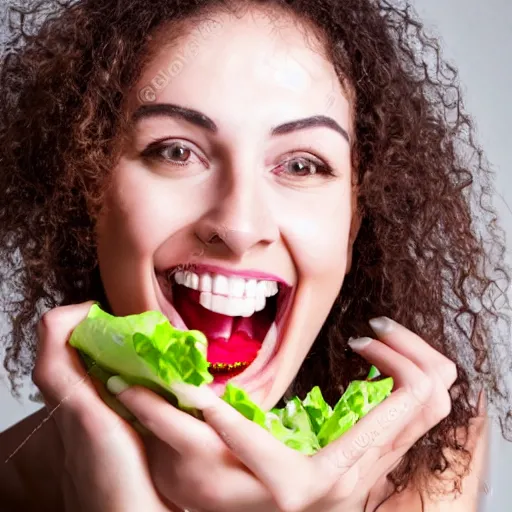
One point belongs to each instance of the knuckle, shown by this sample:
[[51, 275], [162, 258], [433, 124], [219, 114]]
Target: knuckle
[[40, 374], [43, 369], [48, 322], [49, 380], [422, 389], [444, 406], [37, 377], [450, 372], [60, 320], [60, 391], [439, 406]]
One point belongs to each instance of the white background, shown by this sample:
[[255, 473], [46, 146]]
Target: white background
[[477, 37]]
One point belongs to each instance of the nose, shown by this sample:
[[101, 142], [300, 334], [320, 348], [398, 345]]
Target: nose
[[240, 220]]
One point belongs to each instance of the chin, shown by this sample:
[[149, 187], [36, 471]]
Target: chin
[[244, 315]]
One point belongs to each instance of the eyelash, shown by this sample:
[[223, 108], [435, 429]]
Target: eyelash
[[154, 151]]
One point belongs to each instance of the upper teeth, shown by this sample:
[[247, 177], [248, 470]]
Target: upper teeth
[[232, 296]]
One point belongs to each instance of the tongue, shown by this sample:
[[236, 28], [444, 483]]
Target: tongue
[[230, 339]]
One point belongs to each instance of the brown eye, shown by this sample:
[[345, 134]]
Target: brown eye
[[303, 167], [176, 152]]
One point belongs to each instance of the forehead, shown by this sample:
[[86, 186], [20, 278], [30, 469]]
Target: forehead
[[259, 55]]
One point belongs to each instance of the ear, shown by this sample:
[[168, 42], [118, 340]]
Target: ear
[[355, 225]]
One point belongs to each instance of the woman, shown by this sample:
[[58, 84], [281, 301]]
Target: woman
[[185, 156]]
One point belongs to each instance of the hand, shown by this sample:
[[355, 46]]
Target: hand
[[195, 464], [105, 467]]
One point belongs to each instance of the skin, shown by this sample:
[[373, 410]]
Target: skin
[[229, 463], [301, 229], [298, 228]]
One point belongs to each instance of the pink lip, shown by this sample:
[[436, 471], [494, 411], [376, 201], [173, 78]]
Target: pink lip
[[250, 380], [248, 274]]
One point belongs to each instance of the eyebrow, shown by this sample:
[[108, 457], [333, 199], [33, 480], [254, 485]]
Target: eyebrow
[[199, 119]]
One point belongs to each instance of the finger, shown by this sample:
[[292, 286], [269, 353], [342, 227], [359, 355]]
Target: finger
[[368, 440], [116, 406], [423, 422], [377, 430], [68, 390], [386, 439], [414, 348], [287, 473], [438, 407], [405, 373], [176, 428], [58, 368], [188, 436], [227, 485]]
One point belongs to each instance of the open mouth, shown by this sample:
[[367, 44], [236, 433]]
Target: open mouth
[[241, 317]]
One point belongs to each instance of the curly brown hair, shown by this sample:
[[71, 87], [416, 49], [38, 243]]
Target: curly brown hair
[[429, 253]]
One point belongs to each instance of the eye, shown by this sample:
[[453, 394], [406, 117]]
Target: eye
[[304, 167], [175, 153]]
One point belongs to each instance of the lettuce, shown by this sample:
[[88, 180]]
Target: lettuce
[[145, 349]]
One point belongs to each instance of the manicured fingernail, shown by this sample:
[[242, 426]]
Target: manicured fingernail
[[117, 385], [359, 343], [381, 325], [197, 397]]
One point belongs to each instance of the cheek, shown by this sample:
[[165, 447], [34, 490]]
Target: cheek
[[318, 236], [321, 246], [142, 212]]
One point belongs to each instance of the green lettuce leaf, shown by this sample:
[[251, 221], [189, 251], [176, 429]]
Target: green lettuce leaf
[[318, 410], [146, 350], [240, 400], [290, 425], [358, 400], [311, 424], [373, 373], [143, 349]]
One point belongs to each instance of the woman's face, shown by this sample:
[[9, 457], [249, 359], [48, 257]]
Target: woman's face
[[218, 150]]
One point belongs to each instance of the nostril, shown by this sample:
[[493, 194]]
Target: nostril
[[214, 239]]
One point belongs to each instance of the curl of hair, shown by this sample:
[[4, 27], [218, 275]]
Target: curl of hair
[[429, 253]]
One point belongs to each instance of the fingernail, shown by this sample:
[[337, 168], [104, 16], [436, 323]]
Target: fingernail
[[117, 385], [381, 325], [196, 397], [359, 343]]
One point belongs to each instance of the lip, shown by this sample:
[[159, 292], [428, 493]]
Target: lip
[[228, 272], [255, 376]]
